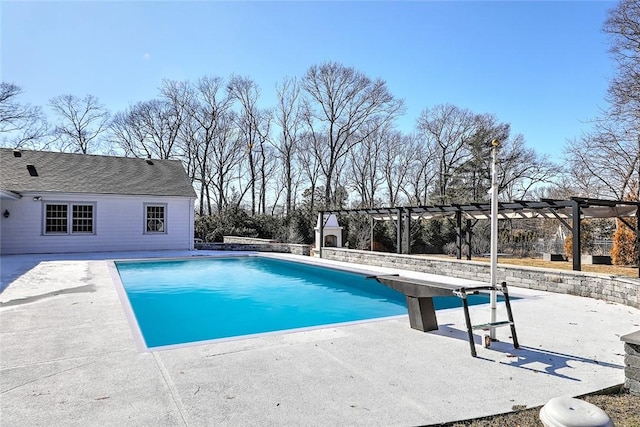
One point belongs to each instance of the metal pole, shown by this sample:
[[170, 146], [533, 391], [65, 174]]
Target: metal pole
[[494, 235]]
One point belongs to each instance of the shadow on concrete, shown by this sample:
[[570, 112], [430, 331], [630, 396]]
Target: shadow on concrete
[[27, 300], [537, 360], [12, 267]]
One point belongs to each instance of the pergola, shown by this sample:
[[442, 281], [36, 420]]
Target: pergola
[[569, 212]]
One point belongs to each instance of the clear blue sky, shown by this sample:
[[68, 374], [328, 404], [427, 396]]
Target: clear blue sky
[[542, 66]]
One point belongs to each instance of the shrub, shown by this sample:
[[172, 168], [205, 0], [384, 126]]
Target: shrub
[[236, 221], [587, 243], [624, 250]]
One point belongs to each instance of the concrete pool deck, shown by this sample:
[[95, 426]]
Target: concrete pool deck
[[68, 357]]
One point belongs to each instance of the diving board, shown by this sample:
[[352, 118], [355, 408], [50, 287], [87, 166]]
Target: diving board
[[419, 295], [422, 314]]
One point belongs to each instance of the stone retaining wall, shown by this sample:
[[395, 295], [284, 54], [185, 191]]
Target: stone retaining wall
[[234, 243], [622, 290], [247, 240]]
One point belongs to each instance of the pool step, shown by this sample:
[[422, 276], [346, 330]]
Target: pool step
[[489, 326]]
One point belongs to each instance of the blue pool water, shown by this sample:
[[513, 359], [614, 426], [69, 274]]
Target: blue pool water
[[183, 301]]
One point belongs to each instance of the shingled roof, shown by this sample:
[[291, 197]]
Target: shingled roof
[[43, 171]]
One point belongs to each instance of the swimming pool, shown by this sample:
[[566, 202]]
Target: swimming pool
[[191, 300]]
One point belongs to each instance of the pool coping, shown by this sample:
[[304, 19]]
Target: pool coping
[[137, 330]]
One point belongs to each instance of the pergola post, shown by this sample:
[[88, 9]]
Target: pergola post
[[399, 231], [577, 250], [458, 234], [407, 231], [373, 224], [468, 233], [638, 232]]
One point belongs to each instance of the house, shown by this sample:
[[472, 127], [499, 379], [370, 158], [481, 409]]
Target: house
[[60, 202]]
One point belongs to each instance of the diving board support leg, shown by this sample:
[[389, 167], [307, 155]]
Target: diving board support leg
[[422, 313]]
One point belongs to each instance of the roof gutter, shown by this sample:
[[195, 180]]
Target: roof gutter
[[9, 195]]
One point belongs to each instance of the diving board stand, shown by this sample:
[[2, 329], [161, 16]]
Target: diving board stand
[[419, 295], [422, 313]]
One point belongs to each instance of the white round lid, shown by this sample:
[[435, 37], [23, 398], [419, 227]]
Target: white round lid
[[571, 412]]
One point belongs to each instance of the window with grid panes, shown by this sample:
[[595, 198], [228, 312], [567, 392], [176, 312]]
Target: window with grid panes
[[56, 219], [82, 219], [69, 218], [155, 218]]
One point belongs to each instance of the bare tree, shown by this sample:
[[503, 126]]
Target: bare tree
[[365, 164], [603, 162], [460, 143], [128, 133], [81, 122], [340, 101], [606, 160], [473, 175], [398, 155], [225, 157], [421, 171], [151, 129], [310, 163], [447, 129], [288, 117], [623, 25], [521, 169], [177, 96], [21, 125], [194, 122], [253, 124], [213, 140], [267, 164], [148, 129]]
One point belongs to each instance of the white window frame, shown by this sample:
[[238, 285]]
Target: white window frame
[[69, 219], [148, 221]]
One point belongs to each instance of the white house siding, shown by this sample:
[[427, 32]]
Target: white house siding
[[118, 224]]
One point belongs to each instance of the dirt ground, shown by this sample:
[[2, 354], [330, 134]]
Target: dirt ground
[[622, 408]]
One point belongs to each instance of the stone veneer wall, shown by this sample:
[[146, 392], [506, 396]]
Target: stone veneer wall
[[247, 240], [622, 290], [236, 243], [632, 362]]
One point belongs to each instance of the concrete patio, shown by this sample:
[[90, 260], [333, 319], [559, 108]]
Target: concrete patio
[[68, 358]]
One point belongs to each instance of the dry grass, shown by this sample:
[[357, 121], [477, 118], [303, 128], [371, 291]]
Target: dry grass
[[613, 270], [622, 408]]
